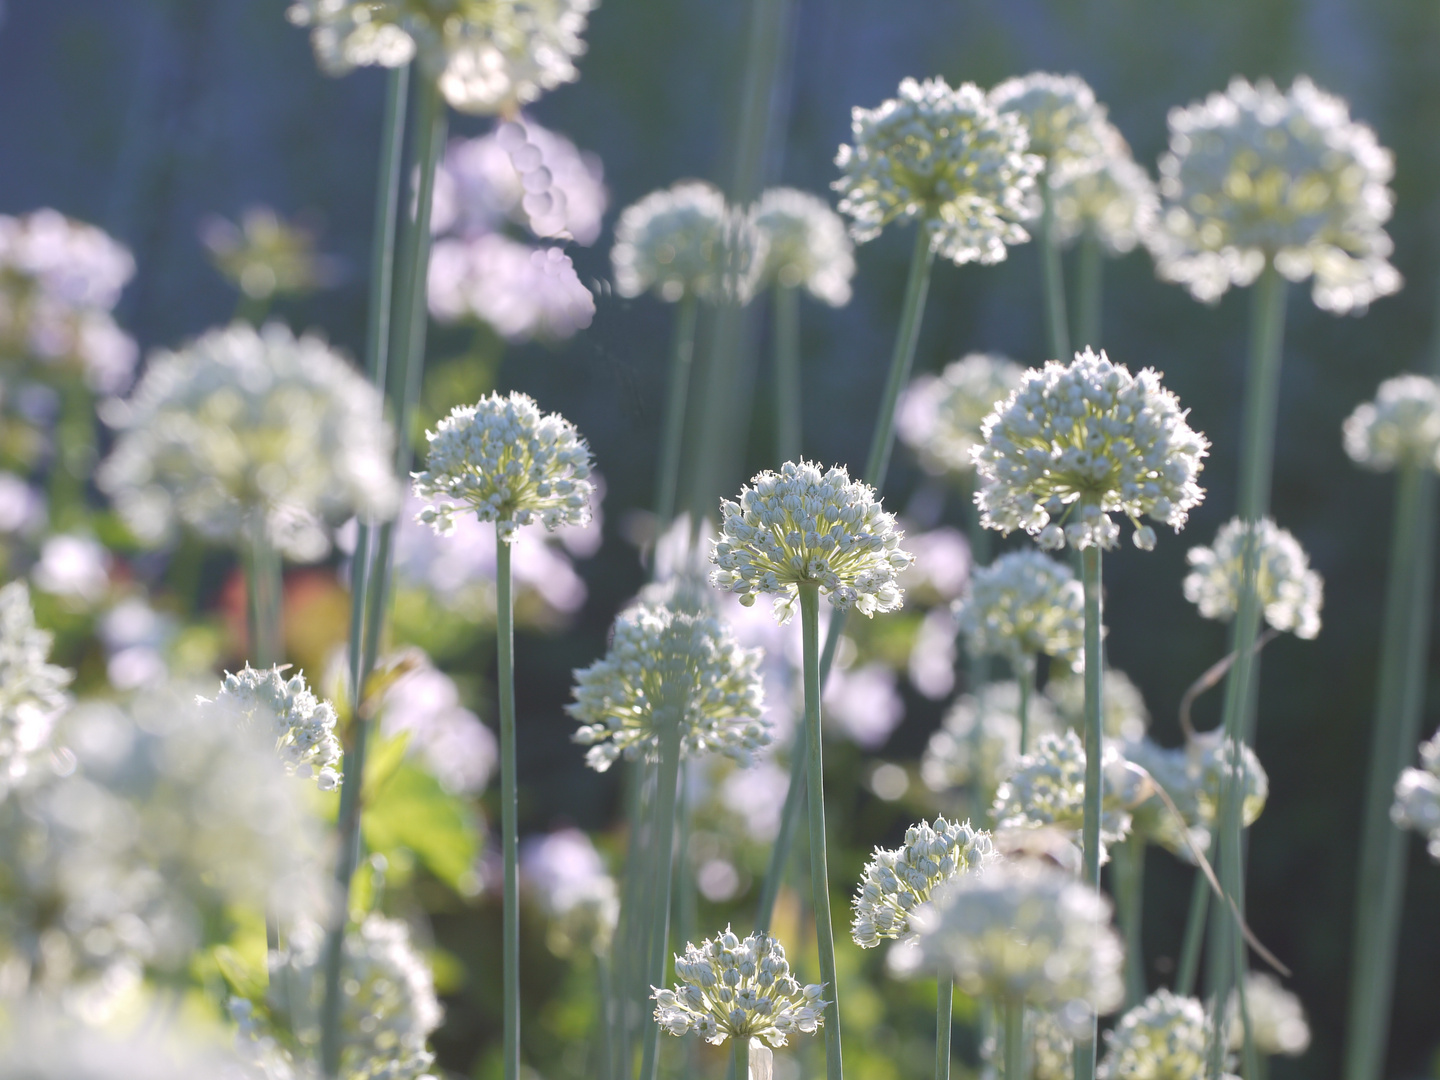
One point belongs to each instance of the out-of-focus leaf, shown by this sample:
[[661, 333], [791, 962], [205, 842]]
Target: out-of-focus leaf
[[412, 812]]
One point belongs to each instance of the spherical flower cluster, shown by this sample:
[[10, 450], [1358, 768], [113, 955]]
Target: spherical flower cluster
[[806, 244], [489, 56], [1078, 442], [1123, 714], [799, 526], [1064, 121], [1162, 1038], [684, 241], [1047, 790], [1022, 932], [1417, 797], [941, 416], [666, 667], [1277, 1019], [265, 256], [1022, 605], [1400, 427], [59, 281], [978, 742], [895, 882], [505, 461], [1116, 203], [302, 725], [243, 426], [1289, 591], [1254, 175], [944, 158], [32, 690], [388, 1009], [524, 293], [1210, 764], [741, 989]]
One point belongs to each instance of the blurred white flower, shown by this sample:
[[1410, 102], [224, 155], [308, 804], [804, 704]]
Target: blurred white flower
[[1290, 593], [284, 710], [1116, 203], [1047, 790], [1123, 714], [978, 742], [75, 567], [931, 664], [1164, 1036], [863, 704], [1277, 1019], [135, 636], [940, 417], [1400, 427], [757, 796], [1021, 606], [942, 565], [40, 1041], [567, 876], [22, 507], [1417, 797], [522, 292], [1062, 117], [266, 256], [456, 746], [806, 245], [684, 241], [32, 690]]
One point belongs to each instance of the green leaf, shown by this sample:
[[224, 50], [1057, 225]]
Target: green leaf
[[411, 812], [385, 757]]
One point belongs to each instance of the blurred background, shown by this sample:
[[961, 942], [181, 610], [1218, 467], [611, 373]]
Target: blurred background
[[148, 117]]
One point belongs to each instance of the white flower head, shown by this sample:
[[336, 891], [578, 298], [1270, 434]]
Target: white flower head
[[244, 423], [1123, 714], [1064, 121], [567, 876], [1021, 606], [524, 293], [1116, 203], [32, 690], [944, 158], [1277, 1019], [1254, 175], [668, 666], [978, 742], [265, 256], [1021, 931], [301, 724], [1417, 797], [489, 56], [1210, 764], [1290, 592], [729, 988], [1047, 791], [1077, 442], [941, 416], [895, 882], [806, 245], [804, 526], [684, 241], [1400, 427], [1162, 1038], [506, 462]]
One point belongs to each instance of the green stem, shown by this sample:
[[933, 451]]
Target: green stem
[[944, 1014], [509, 804], [629, 956], [1194, 935], [662, 839], [819, 871], [740, 1057], [687, 903], [1057, 329], [1129, 869], [1025, 677], [681, 355], [1089, 291], [1400, 698], [785, 309], [74, 458], [1090, 576], [605, 988], [1015, 1041], [264, 592]]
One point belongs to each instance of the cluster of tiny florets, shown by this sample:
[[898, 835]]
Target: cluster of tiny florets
[[506, 462], [1064, 121], [488, 56], [685, 241], [1047, 790], [1021, 606], [978, 742], [1211, 766], [244, 424], [728, 988], [1078, 442], [32, 690], [1277, 1019], [302, 725], [1417, 797], [802, 526], [897, 881], [944, 158], [1162, 1038], [667, 667], [1116, 202], [1400, 427], [941, 416], [1291, 594], [1254, 175], [806, 244]]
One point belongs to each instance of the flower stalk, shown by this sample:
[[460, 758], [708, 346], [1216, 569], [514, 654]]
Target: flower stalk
[[1090, 578], [681, 355], [509, 803], [944, 1014], [1129, 871], [1089, 290], [1057, 326], [662, 839], [785, 311], [1015, 1040]]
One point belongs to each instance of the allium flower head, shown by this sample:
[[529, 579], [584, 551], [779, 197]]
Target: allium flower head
[[1123, 714], [1021, 931], [1064, 121], [1116, 203], [684, 241], [728, 988], [1255, 175], [1179, 774], [895, 882], [505, 461], [1277, 1019], [941, 416], [667, 666], [265, 256], [523, 293], [32, 690], [1400, 427], [806, 244], [1047, 790], [488, 56], [1290, 592], [302, 725], [944, 158], [1022, 605], [1417, 797], [1162, 1038], [1077, 442], [803, 526], [1211, 765], [242, 424], [978, 742]]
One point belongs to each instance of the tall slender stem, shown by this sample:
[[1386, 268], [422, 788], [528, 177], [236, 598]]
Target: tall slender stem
[[1129, 870], [1025, 677], [785, 311], [740, 1057], [1189, 967], [605, 989], [662, 839], [944, 1014], [1089, 291], [1057, 328], [629, 951], [264, 587], [1090, 576], [681, 354], [509, 804], [1015, 1064], [819, 871]]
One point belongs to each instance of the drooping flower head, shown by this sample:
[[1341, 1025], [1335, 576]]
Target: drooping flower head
[[729, 988], [1064, 121], [1162, 1038], [1400, 427], [488, 56], [1290, 592], [806, 245], [302, 725], [684, 241], [265, 256], [506, 462], [944, 158], [804, 526], [1417, 797], [667, 666], [244, 425], [524, 293], [978, 742], [1277, 1019], [1047, 791], [1021, 606], [32, 690], [1116, 203], [895, 882], [1077, 442], [940, 416], [1021, 931], [1254, 175], [1123, 714]]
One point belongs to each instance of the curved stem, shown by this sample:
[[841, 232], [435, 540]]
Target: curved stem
[[1089, 292], [1090, 576], [944, 1014], [662, 838], [785, 311], [509, 804], [681, 355], [1057, 329]]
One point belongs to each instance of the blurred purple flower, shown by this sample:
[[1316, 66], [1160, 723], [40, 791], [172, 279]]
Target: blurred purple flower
[[522, 292]]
